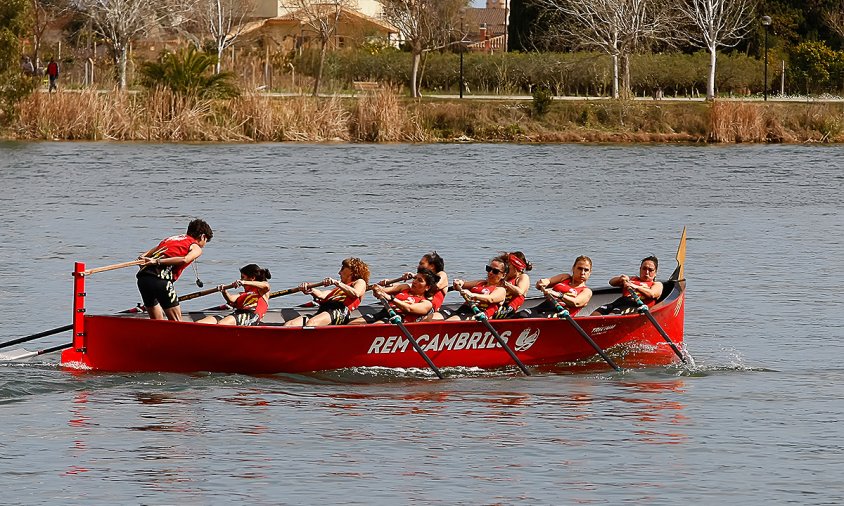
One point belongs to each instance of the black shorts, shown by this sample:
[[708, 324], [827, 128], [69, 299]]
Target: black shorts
[[621, 305], [384, 317], [543, 310], [338, 312], [246, 318], [155, 291], [464, 312]]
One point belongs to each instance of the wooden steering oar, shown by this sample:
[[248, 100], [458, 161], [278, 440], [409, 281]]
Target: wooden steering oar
[[481, 317], [396, 320], [645, 310], [563, 313], [112, 267]]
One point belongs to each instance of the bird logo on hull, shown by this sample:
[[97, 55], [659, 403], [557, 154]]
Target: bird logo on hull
[[526, 339]]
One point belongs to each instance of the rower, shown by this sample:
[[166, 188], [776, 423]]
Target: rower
[[645, 285]]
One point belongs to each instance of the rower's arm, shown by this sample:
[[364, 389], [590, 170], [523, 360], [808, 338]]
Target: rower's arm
[[495, 297], [579, 301], [417, 308]]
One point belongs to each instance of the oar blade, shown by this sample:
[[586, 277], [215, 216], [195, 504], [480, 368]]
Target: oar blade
[[17, 355]]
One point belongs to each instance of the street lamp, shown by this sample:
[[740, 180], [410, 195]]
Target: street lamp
[[462, 38], [766, 22]]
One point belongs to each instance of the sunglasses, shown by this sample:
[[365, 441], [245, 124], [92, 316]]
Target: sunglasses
[[493, 270]]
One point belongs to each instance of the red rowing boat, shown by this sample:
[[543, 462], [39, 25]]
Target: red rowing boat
[[136, 343]]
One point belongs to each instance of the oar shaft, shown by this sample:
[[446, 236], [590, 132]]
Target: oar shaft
[[296, 289], [643, 308], [479, 315], [36, 336], [562, 311], [388, 282], [205, 292], [111, 267], [395, 319]]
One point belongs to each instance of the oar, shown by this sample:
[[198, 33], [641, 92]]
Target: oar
[[279, 293], [563, 313], [295, 289], [24, 354], [643, 308], [481, 317], [36, 336], [389, 282], [396, 319], [190, 296], [112, 267]]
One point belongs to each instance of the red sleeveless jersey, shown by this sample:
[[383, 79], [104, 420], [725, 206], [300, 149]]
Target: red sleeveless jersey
[[174, 246], [250, 300], [437, 300], [512, 300], [406, 296], [563, 287], [636, 281], [338, 295], [484, 289]]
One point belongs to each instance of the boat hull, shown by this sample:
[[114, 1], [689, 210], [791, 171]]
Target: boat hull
[[114, 343]]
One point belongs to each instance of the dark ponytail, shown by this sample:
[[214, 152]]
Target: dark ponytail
[[254, 271]]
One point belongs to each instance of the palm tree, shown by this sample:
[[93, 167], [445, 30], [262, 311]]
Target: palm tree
[[188, 72]]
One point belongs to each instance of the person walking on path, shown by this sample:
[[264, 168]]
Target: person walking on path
[[53, 73]]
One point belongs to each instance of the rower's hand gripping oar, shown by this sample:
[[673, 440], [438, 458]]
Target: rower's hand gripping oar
[[645, 310], [481, 317], [396, 320], [563, 313]]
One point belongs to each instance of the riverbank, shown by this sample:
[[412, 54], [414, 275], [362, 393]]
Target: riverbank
[[384, 116]]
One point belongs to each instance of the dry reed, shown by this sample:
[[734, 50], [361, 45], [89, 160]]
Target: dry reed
[[381, 117], [384, 116]]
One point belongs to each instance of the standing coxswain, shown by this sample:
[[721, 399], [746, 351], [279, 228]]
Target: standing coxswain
[[162, 266]]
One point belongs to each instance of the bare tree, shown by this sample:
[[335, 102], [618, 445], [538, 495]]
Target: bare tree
[[121, 21], [717, 23], [615, 27], [221, 21], [426, 25], [834, 18], [322, 18], [43, 13]]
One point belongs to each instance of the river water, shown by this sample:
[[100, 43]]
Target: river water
[[755, 420]]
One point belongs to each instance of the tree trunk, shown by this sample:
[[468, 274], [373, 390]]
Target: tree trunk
[[218, 65], [626, 88], [615, 76], [322, 50], [120, 57], [710, 85], [414, 90]]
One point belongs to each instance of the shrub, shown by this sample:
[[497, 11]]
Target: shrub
[[542, 99]]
